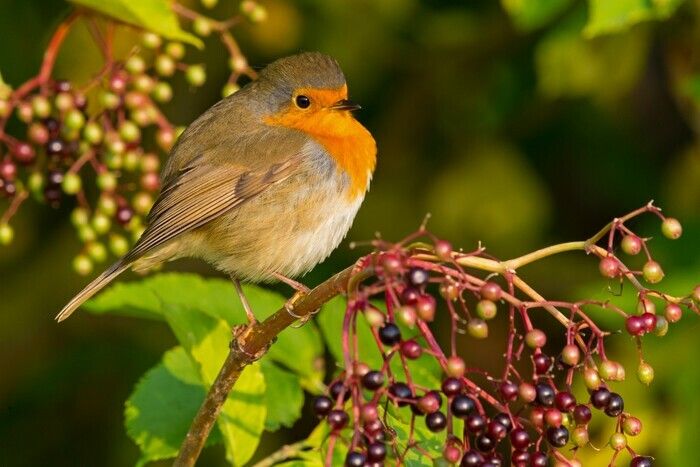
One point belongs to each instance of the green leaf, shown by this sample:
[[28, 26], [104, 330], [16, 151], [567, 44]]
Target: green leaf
[[299, 349], [610, 16], [207, 341], [160, 409], [425, 371], [528, 15], [154, 15], [284, 397]]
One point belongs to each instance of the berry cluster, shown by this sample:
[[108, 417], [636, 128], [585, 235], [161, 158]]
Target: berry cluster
[[529, 414], [98, 146]]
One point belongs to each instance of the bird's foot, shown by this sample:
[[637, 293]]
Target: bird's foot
[[289, 306], [240, 332]]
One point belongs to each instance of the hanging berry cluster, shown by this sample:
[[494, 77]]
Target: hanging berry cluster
[[528, 415], [98, 146]]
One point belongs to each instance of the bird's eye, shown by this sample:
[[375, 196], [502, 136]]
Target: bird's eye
[[302, 102]]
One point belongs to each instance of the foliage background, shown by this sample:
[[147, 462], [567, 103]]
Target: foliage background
[[514, 130]]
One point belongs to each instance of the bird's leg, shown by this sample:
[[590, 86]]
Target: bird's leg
[[301, 290], [244, 302]]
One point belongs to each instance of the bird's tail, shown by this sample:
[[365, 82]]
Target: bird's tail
[[92, 288]]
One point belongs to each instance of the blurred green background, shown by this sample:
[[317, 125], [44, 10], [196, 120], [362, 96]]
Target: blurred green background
[[518, 123]]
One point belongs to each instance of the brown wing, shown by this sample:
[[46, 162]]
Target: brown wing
[[200, 193]]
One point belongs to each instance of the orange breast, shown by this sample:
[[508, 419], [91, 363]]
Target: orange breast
[[349, 143]]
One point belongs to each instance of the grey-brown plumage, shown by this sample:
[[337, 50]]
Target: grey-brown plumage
[[234, 186]]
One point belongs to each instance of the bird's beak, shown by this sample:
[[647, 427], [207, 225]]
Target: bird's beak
[[345, 104]]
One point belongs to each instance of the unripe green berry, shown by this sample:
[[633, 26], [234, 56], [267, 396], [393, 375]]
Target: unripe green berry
[[162, 92], [535, 338], [646, 306], [82, 265], [671, 228], [580, 436], [478, 328], [631, 244], [79, 217], [74, 119], [258, 15], [97, 251], [486, 309], [374, 317], [113, 160], [632, 426], [92, 133], [86, 234], [101, 223], [41, 106], [175, 50], [72, 183], [645, 373], [591, 378], [229, 88], [36, 183], [209, 3], [618, 441], [118, 245], [455, 366], [150, 163], [652, 272], [135, 64], [571, 355], [150, 40], [106, 205], [201, 26], [107, 181], [165, 65], [143, 83], [195, 75], [64, 101], [109, 100], [238, 64], [661, 328], [129, 131], [608, 370], [406, 315], [6, 234]]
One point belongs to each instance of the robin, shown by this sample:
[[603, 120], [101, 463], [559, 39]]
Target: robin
[[264, 185]]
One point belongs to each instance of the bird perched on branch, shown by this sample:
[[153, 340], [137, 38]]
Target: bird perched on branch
[[264, 185]]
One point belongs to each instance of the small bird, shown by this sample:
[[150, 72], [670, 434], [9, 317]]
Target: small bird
[[264, 185]]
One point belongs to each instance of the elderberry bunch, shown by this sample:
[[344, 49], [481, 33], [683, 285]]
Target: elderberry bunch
[[530, 414], [98, 146]]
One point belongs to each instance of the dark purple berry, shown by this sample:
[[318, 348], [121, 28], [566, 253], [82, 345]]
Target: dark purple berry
[[322, 405], [124, 215], [55, 147], [337, 390], [557, 436], [401, 391], [373, 380], [462, 406], [410, 295], [62, 85], [582, 414], [436, 421], [642, 461], [484, 443], [475, 423], [520, 458], [565, 401], [504, 420], [542, 363], [355, 459], [337, 419], [495, 430], [615, 405], [538, 459], [509, 391], [418, 276], [411, 349], [472, 458], [545, 394], [452, 386], [55, 178], [600, 398], [520, 438], [376, 452], [390, 334]]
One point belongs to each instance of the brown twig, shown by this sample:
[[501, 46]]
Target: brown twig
[[250, 345]]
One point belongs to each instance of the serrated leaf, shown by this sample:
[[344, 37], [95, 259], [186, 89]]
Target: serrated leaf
[[207, 339], [608, 16], [153, 15], [284, 397], [298, 349], [528, 15], [425, 371], [160, 409]]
